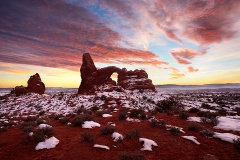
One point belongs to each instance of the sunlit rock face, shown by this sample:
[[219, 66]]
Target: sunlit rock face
[[94, 79], [35, 85]]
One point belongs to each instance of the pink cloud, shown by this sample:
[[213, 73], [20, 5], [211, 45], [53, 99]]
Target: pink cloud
[[191, 69]]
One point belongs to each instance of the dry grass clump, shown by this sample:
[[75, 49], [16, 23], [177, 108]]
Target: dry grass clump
[[134, 133], [109, 129], [131, 156], [194, 127], [79, 120], [88, 137]]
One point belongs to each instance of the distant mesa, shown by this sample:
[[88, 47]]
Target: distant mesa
[[35, 85], [94, 79]]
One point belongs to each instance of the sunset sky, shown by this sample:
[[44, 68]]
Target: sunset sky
[[175, 41]]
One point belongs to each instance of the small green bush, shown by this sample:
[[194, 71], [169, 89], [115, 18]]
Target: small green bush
[[40, 134], [63, 120], [154, 122], [193, 110]]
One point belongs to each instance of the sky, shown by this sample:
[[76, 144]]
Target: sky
[[175, 41]]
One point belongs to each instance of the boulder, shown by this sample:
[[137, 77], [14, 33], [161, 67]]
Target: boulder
[[94, 79]]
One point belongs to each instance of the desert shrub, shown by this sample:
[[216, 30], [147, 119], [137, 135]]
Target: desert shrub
[[131, 156], [174, 131], [154, 122], [207, 133], [213, 120], [100, 113], [206, 106], [236, 143], [154, 112], [94, 108], [194, 127], [30, 118], [183, 115], [40, 134], [57, 116], [122, 114], [28, 126], [88, 137], [133, 134], [41, 113], [170, 103], [103, 97], [143, 115], [136, 113], [162, 123], [42, 121], [193, 110], [170, 113], [63, 120], [79, 120], [109, 129], [207, 114]]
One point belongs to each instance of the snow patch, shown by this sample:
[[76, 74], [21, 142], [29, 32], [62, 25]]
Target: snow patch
[[228, 137], [48, 143], [117, 136], [90, 124], [106, 115], [147, 144], [101, 146], [194, 119], [41, 126], [133, 120], [229, 123], [191, 138]]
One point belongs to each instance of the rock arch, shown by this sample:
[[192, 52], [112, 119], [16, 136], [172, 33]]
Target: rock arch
[[93, 78]]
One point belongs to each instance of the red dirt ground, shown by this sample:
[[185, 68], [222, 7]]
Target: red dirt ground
[[71, 146]]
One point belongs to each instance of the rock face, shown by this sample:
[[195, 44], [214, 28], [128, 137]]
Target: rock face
[[94, 79], [35, 85]]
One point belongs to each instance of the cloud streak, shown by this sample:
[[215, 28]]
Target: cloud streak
[[41, 33]]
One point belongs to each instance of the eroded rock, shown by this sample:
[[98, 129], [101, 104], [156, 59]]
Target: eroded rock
[[35, 85]]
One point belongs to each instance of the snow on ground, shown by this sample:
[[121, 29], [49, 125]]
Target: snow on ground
[[132, 120], [147, 144], [106, 115], [90, 124], [191, 138], [194, 119], [101, 146], [48, 143], [228, 137], [170, 126], [117, 136], [41, 126], [229, 123]]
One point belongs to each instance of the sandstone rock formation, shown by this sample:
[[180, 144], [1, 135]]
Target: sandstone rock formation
[[35, 85], [94, 79]]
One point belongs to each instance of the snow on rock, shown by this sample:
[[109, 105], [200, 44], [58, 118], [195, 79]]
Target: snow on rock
[[106, 115], [133, 120], [117, 136], [229, 123], [191, 138], [41, 126], [48, 143], [90, 124], [147, 144], [194, 119], [101, 146], [228, 137]]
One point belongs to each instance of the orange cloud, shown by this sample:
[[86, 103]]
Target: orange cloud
[[175, 73], [184, 55], [191, 69]]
